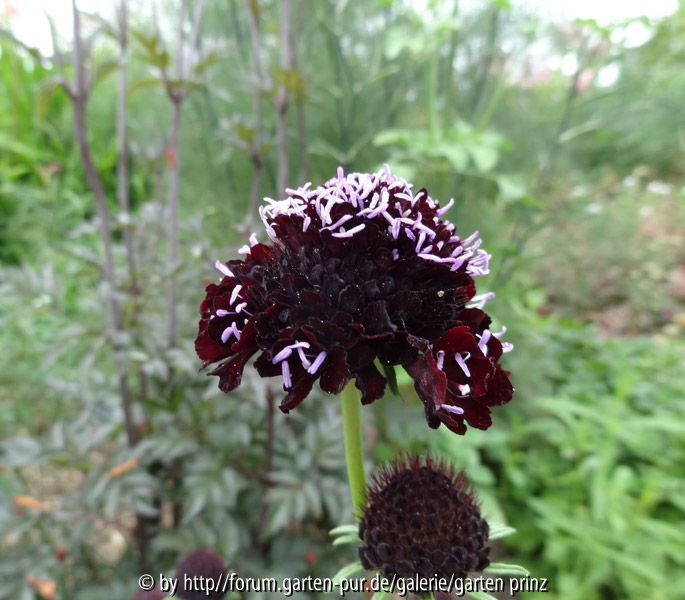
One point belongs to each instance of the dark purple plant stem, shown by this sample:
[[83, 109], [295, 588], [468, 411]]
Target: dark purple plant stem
[[122, 153], [79, 95], [283, 98], [300, 97]]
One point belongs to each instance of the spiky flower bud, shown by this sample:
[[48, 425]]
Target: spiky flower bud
[[422, 520], [200, 563]]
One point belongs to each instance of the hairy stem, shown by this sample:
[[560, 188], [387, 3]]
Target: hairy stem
[[354, 453]]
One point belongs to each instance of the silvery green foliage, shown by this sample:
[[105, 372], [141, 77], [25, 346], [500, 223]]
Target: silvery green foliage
[[69, 495]]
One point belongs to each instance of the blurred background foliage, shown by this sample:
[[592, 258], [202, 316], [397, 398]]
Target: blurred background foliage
[[563, 142]]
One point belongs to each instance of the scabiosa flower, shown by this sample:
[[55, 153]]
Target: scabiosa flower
[[422, 520], [200, 563], [360, 272]]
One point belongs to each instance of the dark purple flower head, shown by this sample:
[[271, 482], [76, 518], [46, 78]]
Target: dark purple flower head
[[421, 519], [200, 563], [361, 272]]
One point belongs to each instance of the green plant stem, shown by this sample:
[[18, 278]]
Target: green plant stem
[[432, 96], [354, 456]]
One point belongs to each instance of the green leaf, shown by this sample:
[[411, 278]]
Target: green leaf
[[347, 571], [456, 155], [153, 47], [484, 157], [481, 596], [352, 538], [499, 530], [207, 61], [507, 569], [143, 83], [11, 145], [511, 186], [393, 136], [344, 530], [391, 376], [381, 595], [103, 70], [398, 41]]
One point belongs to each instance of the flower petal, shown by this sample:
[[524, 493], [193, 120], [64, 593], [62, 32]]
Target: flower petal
[[297, 393], [207, 348], [335, 373], [500, 390], [371, 383], [230, 373], [477, 414], [430, 384]]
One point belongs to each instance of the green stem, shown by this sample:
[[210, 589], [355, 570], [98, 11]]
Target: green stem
[[432, 96], [354, 455]]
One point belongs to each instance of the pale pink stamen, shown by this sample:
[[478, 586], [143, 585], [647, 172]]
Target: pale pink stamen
[[462, 363], [223, 268], [232, 330], [350, 233], [234, 293], [285, 371], [483, 342], [453, 409], [318, 361]]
